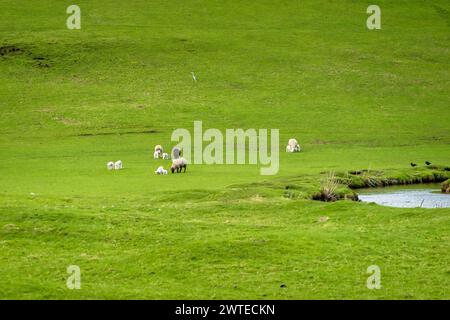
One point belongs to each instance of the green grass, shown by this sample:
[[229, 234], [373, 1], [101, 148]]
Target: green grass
[[371, 179], [355, 99]]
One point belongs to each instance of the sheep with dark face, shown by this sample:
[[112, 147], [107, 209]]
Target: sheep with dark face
[[178, 165]]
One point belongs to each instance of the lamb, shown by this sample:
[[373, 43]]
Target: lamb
[[110, 165], [156, 155], [165, 156], [293, 146], [296, 148], [293, 149], [161, 170], [178, 165], [118, 165]]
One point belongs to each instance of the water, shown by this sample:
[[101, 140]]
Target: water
[[414, 196]]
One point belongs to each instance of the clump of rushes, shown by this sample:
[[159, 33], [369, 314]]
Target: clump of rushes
[[329, 187], [331, 190], [446, 186]]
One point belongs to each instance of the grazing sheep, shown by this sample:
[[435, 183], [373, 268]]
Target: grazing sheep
[[165, 156], [293, 146], [118, 165], [159, 148], [161, 170], [156, 155], [178, 165], [110, 165], [176, 153]]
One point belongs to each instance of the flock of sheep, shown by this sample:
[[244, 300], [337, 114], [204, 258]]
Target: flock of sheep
[[179, 163], [114, 165]]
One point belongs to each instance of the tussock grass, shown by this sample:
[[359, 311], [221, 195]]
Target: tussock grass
[[332, 190], [445, 187], [328, 191]]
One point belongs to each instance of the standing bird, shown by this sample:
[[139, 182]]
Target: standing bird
[[193, 76], [413, 164], [427, 163]]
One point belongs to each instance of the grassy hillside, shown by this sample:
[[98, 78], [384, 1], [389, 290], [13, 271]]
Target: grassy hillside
[[71, 100]]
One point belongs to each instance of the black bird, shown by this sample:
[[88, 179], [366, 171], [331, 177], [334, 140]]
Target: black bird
[[427, 163], [413, 164]]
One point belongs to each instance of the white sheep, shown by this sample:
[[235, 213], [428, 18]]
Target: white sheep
[[118, 165], [178, 165], [156, 155], [292, 142], [159, 148], [161, 170], [293, 149], [293, 146], [165, 156], [110, 165]]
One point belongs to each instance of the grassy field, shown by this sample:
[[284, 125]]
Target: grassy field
[[71, 100]]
